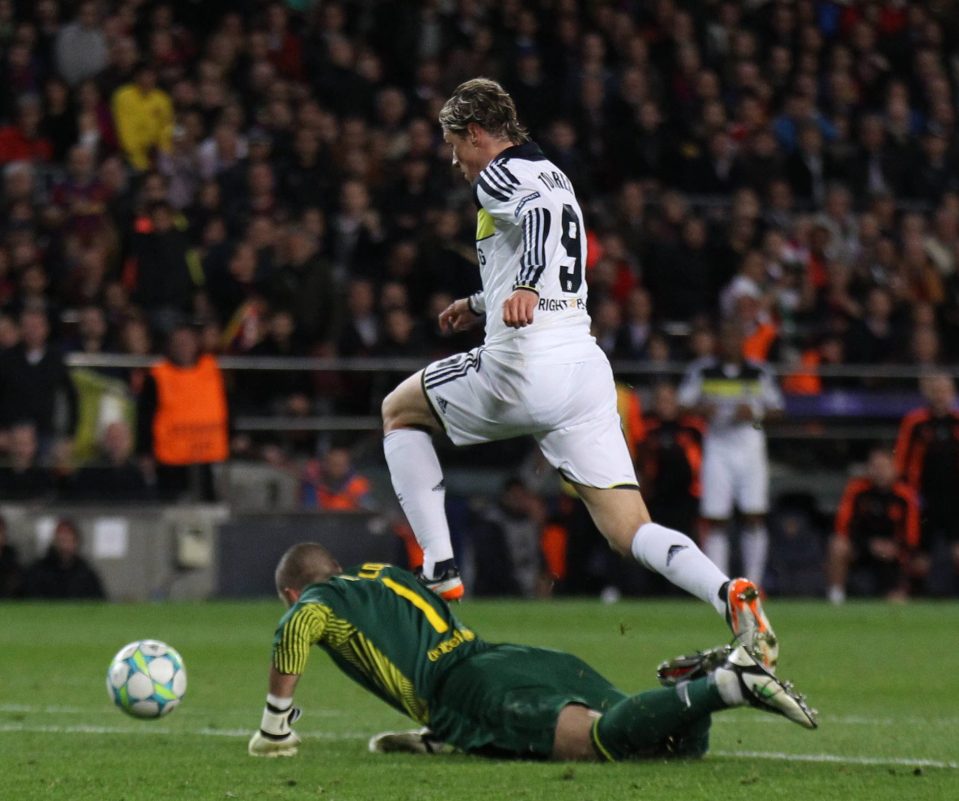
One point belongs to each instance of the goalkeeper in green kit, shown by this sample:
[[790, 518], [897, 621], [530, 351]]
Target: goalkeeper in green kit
[[401, 642]]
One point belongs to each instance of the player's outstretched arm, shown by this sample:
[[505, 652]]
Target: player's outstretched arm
[[275, 737], [518, 308], [458, 316]]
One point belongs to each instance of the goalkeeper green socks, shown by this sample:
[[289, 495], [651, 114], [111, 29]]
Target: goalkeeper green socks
[[668, 721]]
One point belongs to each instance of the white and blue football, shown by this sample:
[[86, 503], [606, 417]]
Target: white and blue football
[[146, 679]]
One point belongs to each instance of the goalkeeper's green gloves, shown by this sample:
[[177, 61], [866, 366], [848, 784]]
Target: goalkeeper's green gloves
[[275, 737]]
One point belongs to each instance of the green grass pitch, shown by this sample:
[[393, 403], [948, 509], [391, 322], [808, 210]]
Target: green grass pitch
[[885, 679]]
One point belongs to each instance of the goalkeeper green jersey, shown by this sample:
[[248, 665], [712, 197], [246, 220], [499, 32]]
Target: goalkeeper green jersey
[[382, 628]]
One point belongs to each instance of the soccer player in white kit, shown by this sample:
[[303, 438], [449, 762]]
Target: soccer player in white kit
[[539, 371], [735, 395]]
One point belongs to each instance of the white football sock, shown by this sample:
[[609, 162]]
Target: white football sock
[[418, 482], [728, 686], [716, 547], [755, 548], [678, 558]]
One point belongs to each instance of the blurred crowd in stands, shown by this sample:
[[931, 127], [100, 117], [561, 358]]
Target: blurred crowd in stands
[[268, 178]]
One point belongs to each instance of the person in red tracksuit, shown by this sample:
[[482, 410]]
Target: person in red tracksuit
[[927, 458], [877, 539]]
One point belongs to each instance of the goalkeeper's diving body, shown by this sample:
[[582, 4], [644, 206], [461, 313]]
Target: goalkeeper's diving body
[[401, 641]]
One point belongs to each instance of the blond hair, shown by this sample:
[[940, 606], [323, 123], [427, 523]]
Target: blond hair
[[486, 103], [304, 564]]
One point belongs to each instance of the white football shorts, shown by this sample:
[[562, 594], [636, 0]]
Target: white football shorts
[[735, 473], [570, 409]]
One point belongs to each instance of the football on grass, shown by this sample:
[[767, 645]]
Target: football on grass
[[146, 679]]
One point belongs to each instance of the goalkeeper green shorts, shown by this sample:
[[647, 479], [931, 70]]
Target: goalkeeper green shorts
[[505, 701]]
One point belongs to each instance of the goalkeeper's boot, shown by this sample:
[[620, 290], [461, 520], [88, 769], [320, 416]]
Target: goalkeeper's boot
[[412, 741], [745, 616], [448, 584], [692, 666], [741, 679]]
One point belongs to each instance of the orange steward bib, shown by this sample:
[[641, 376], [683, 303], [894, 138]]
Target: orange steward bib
[[190, 426]]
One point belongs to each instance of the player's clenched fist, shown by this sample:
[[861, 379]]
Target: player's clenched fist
[[518, 308], [458, 316]]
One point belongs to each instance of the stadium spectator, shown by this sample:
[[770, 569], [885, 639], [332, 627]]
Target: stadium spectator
[[361, 330], [506, 544], [810, 168], [874, 168], [143, 113], [679, 275], [183, 419], [96, 128], [11, 572], [356, 233], [401, 335], [24, 140], [750, 282], [333, 485], [606, 320], [33, 380], [873, 339], [359, 335], [162, 274], [235, 291], [275, 392], [637, 327], [735, 396], [23, 477], [113, 475], [876, 548], [9, 331], [303, 284], [60, 123], [81, 199], [81, 46], [934, 170], [92, 332], [135, 340], [62, 573]]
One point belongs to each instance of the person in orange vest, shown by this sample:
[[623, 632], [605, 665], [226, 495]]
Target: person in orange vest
[[183, 419], [806, 378], [631, 414], [335, 486]]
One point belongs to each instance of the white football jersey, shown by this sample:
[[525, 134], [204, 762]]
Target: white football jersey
[[727, 386], [529, 233]]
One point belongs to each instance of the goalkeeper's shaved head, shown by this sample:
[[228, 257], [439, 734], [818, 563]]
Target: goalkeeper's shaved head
[[304, 564]]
